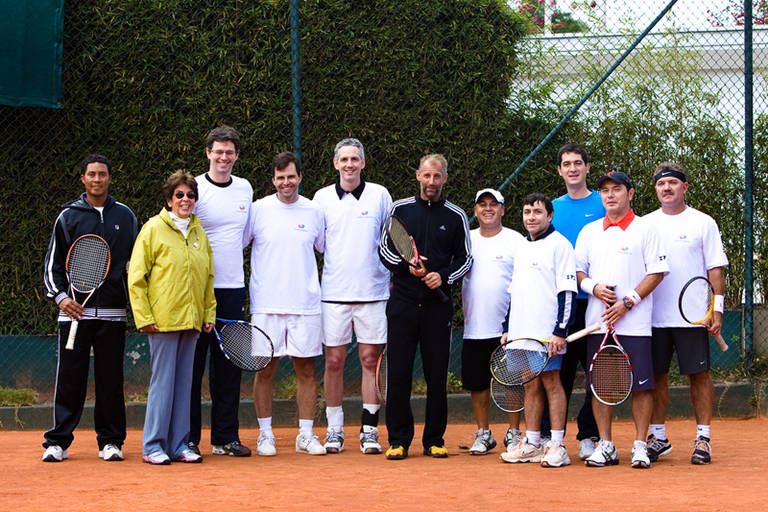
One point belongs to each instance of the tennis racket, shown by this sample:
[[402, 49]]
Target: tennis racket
[[697, 305], [406, 248], [381, 376], [507, 398], [245, 345], [518, 361], [87, 266], [610, 371]]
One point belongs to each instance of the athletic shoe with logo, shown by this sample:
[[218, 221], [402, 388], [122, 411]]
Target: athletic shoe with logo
[[658, 448], [438, 452], [265, 446], [396, 452], [111, 452], [234, 449], [512, 438], [334, 440], [193, 446], [54, 453], [604, 455], [484, 442], [555, 456], [702, 451], [156, 459], [188, 456], [524, 452], [587, 447], [369, 440], [640, 458], [308, 443]]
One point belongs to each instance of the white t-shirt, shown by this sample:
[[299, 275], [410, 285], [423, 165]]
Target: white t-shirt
[[484, 294], [693, 245], [352, 271], [622, 258], [283, 266], [223, 213], [543, 268]]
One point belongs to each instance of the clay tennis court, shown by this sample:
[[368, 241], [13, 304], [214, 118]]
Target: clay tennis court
[[736, 480]]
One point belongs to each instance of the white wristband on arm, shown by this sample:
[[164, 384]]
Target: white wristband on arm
[[719, 303], [588, 285], [634, 297]]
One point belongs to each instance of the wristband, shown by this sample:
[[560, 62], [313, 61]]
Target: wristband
[[588, 285], [719, 303], [634, 297]]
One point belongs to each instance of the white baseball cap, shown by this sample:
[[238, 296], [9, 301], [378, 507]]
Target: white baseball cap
[[495, 193]]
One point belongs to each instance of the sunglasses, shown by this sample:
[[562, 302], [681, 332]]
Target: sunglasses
[[190, 195]]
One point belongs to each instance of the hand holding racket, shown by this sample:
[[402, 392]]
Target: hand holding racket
[[406, 248], [381, 376], [697, 305], [610, 371], [245, 345], [519, 361], [87, 267]]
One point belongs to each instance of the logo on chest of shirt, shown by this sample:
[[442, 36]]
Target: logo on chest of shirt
[[301, 227], [624, 249], [117, 227], [500, 257], [364, 213], [242, 208]]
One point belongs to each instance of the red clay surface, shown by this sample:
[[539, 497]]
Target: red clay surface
[[736, 480]]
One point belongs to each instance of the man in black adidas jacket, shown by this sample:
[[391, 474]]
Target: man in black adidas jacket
[[102, 325], [415, 313]]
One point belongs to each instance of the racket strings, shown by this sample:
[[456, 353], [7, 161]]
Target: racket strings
[[247, 349], [88, 263], [401, 239], [696, 301], [611, 376], [507, 398], [515, 366]]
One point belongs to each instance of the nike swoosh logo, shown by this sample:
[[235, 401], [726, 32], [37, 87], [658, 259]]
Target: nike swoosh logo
[[642, 382], [702, 363], [588, 214]]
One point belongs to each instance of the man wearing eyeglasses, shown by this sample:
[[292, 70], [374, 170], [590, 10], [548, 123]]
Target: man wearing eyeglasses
[[223, 206]]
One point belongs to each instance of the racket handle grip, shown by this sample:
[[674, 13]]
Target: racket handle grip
[[721, 342], [580, 334], [71, 338], [441, 294]]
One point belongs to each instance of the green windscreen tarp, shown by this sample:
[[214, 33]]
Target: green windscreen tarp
[[31, 37]]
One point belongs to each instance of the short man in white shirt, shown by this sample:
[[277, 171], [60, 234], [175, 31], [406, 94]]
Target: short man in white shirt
[[542, 292], [285, 229], [485, 300], [355, 289], [695, 248], [619, 261], [223, 205]]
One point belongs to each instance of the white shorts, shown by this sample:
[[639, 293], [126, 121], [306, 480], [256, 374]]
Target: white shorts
[[368, 320], [292, 335]]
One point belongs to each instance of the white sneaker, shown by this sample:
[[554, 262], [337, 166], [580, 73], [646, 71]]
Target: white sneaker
[[586, 447], [512, 438], [555, 456], [604, 455], [640, 458], [524, 452], [54, 453], [265, 446], [334, 440], [484, 442], [111, 452], [157, 458], [188, 455], [308, 443], [369, 441]]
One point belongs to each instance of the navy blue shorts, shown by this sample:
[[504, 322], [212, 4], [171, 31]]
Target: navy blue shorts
[[691, 344], [475, 363]]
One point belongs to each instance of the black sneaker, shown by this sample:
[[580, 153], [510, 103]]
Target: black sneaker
[[658, 447], [702, 451], [193, 446], [234, 448]]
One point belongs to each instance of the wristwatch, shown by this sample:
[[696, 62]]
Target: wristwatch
[[628, 303]]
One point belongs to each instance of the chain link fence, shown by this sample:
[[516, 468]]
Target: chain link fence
[[679, 95]]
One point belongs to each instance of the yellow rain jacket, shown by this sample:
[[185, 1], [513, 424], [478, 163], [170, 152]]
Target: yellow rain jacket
[[170, 278]]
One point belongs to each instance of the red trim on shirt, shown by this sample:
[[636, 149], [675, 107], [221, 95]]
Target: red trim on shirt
[[623, 223]]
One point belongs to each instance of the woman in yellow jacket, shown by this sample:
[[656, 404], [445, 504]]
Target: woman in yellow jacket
[[170, 280]]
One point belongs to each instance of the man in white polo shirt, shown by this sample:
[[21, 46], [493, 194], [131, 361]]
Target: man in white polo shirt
[[619, 261], [285, 229], [542, 292], [485, 300], [355, 289], [695, 248]]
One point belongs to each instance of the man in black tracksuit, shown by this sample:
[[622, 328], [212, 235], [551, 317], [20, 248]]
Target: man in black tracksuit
[[415, 313], [102, 321]]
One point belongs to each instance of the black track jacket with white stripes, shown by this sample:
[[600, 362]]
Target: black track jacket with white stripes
[[441, 232]]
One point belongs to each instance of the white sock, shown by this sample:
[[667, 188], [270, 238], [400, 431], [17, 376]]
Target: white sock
[[533, 437], [305, 427], [372, 408], [335, 417], [659, 430], [640, 443], [557, 436], [702, 431], [265, 425]]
